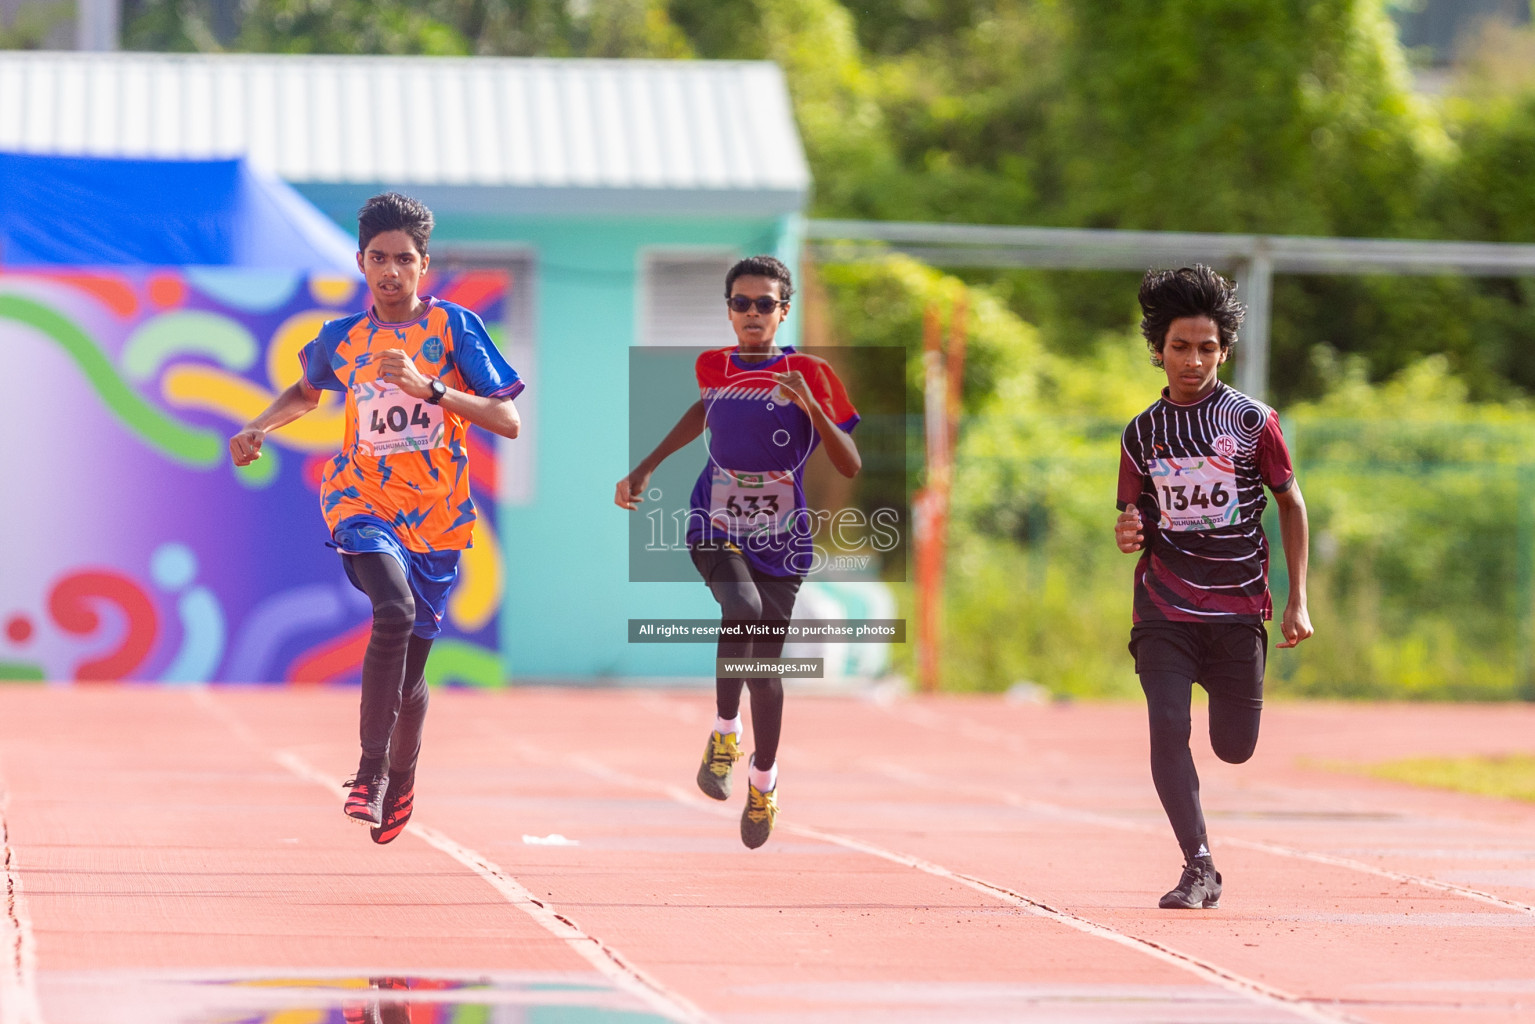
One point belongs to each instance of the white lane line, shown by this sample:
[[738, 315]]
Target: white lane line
[[593, 950], [1396, 876], [1203, 969], [925, 718], [912, 777], [604, 958], [18, 974]]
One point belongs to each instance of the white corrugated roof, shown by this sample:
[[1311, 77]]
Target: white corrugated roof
[[484, 122]]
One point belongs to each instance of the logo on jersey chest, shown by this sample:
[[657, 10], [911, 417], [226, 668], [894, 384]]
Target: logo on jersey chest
[[1225, 445], [431, 350]]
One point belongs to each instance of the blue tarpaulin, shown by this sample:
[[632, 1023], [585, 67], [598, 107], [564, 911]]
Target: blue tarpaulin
[[110, 212]]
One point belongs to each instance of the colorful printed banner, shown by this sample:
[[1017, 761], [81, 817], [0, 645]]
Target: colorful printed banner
[[134, 549]]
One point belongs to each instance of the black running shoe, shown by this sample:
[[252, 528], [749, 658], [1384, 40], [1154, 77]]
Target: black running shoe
[[758, 816], [365, 801], [1200, 887], [399, 800]]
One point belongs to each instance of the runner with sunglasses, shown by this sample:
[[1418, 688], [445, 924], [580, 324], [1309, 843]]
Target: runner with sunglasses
[[766, 409]]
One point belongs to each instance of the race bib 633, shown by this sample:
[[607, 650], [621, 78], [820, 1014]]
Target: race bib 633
[[751, 503]]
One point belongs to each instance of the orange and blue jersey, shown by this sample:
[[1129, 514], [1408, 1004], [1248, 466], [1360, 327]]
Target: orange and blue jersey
[[752, 491], [404, 461]]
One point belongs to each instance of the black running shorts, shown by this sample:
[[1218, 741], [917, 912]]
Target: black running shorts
[[710, 558], [1226, 658]]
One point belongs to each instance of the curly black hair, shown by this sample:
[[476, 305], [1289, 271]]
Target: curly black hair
[[762, 266], [1168, 295], [391, 211]]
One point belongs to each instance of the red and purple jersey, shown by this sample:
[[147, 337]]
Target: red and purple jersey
[[404, 460], [752, 492], [1197, 474]]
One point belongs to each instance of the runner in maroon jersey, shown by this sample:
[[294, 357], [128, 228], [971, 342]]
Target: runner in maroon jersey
[[1191, 476]]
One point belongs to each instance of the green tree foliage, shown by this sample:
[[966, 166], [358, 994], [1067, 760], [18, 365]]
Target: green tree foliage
[[1238, 115], [1241, 115], [553, 28], [340, 26], [30, 27], [1424, 540], [836, 99], [1486, 194], [963, 94], [721, 29]]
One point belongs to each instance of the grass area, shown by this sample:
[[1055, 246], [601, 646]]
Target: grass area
[[1511, 775]]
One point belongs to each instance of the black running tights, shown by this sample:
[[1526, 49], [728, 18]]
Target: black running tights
[[394, 691], [1233, 737], [745, 596]]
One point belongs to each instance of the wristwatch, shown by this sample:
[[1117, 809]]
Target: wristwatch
[[438, 390]]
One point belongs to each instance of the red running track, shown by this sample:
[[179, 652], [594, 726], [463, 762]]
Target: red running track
[[171, 855]]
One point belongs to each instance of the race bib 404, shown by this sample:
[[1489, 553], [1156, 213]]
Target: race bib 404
[[751, 503], [1195, 494], [390, 421]]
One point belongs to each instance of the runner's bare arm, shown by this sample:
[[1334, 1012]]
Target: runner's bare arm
[[1296, 536], [1127, 530], [299, 398], [839, 444], [497, 415], [631, 489]]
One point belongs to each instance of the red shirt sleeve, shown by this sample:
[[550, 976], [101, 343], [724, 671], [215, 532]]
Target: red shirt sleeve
[[1132, 481], [1274, 457], [830, 392], [712, 369]]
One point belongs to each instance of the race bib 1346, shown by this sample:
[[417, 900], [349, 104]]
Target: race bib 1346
[[1196, 493]]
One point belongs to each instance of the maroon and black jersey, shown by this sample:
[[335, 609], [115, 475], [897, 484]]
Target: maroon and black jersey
[[1197, 474]]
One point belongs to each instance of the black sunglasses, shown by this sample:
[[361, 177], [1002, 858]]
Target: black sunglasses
[[765, 303]]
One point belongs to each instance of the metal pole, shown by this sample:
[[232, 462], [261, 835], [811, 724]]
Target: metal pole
[[981, 245], [1255, 288], [928, 507]]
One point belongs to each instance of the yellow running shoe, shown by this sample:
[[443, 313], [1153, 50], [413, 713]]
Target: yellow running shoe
[[720, 755], [757, 819]]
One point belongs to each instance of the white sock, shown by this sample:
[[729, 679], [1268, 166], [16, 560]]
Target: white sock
[[765, 781], [724, 725]]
